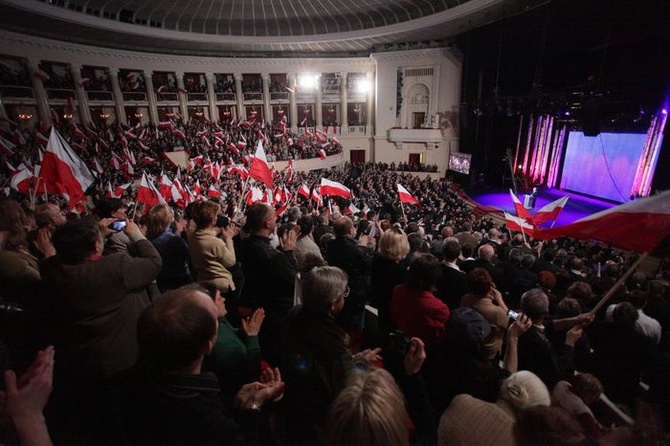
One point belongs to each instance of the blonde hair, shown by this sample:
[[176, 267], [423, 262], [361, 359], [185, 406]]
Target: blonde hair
[[370, 411], [524, 389], [393, 245], [158, 220]]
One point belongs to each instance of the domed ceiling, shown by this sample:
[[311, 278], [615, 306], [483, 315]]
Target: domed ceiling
[[252, 27]]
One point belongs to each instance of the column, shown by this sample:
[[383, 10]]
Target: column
[[118, 96], [344, 119], [319, 103], [40, 94], [292, 80], [239, 96], [369, 78], [211, 97], [80, 94], [183, 98], [151, 97], [267, 112]]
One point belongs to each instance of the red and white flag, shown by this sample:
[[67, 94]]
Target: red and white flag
[[166, 125], [288, 171], [63, 172], [304, 191], [406, 197], [333, 188], [521, 210], [179, 133], [109, 192], [240, 170], [519, 224], [213, 192], [197, 188], [41, 139], [242, 143], [281, 209], [165, 187], [316, 197], [259, 169], [550, 211], [21, 180], [322, 154], [119, 190], [638, 226], [255, 194], [148, 194], [352, 209]]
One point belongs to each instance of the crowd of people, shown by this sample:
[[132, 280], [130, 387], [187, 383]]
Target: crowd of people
[[355, 321]]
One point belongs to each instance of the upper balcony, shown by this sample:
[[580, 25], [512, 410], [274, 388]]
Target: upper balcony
[[429, 137]]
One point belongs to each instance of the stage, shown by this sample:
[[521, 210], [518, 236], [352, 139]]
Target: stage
[[577, 207]]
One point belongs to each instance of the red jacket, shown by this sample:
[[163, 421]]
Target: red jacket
[[419, 314]]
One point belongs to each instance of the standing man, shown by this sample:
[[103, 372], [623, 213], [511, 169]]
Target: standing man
[[269, 275], [355, 259]]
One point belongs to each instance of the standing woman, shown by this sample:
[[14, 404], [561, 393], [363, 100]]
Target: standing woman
[[212, 251], [173, 249]]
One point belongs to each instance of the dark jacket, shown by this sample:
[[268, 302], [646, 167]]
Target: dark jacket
[[385, 275], [355, 260]]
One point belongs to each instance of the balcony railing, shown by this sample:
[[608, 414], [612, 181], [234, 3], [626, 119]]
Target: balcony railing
[[13, 91], [58, 93], [194, 97], [134, 96], [100, 96], [228, 97], [253, 96], [167, 97]]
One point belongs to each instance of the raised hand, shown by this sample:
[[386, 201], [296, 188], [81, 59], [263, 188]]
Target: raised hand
[[252, 324]]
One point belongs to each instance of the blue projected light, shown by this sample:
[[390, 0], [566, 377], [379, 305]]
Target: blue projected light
[[602, 166]]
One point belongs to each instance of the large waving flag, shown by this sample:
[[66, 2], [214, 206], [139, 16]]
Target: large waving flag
[[639, 225], [259, 169], [519, 224], [329, 187], [63, 172], [521, 210], [550, 211], [304, 191], [148, 194], [406, 197], [21, 180]]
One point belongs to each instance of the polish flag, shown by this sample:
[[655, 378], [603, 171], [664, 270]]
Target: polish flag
[[197, 160], [91, 133], [303, 122], [316, 196], [21, 180], [84, 81], [197, 188], [148, 194], [120, 190], [259, 169], [63, 172], [352, 209], [54, 116], [288, 174], [550, 211], [519, 224], [97, 165], [304, 191], [234, 148], [240, 170], [77, 132], [255, 194], [243, 143], [109, 193], [521, 210], [212, 192], [322, 154], [115, 162], [179, 133], [333, 188], [165, 187], [166, 125], [281, 209], [406, 197], [638, 226]]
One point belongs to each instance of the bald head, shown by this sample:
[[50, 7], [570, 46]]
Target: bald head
[[447, 232], [343, 227], [486, 252]]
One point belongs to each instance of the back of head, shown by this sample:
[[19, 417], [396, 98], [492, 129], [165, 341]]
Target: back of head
[[625, 314], [108, 206], [524, 389], [451, 249], [321, 287], [393, 245], [369, 411], [294, 214], [415, 241], [568, 307], [535, 304], [257, 215], [412, 227], [479, 281], [75, 241], [159, 219], [175, 330], [638, 298], [424, 273], [486, 252], [343, 226], [581, 291], [515, 256], [205, 214], [546, 279], [306, 225]]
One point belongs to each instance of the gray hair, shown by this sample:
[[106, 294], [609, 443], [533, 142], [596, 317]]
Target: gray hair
[[322, 286]]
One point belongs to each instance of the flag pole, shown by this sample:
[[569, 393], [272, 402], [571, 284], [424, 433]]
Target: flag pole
[[402, 207], [618, 283], [244, 203], [46, 195], [135, 208]]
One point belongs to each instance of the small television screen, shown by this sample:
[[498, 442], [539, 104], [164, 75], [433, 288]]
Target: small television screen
[[460, 162]]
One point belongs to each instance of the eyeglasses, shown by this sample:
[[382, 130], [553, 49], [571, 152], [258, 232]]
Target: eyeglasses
[[346, 291]]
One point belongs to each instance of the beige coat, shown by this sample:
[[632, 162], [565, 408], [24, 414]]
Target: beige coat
[[211, 256]]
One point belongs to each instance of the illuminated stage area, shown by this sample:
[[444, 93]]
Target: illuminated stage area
[[577, 207]]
